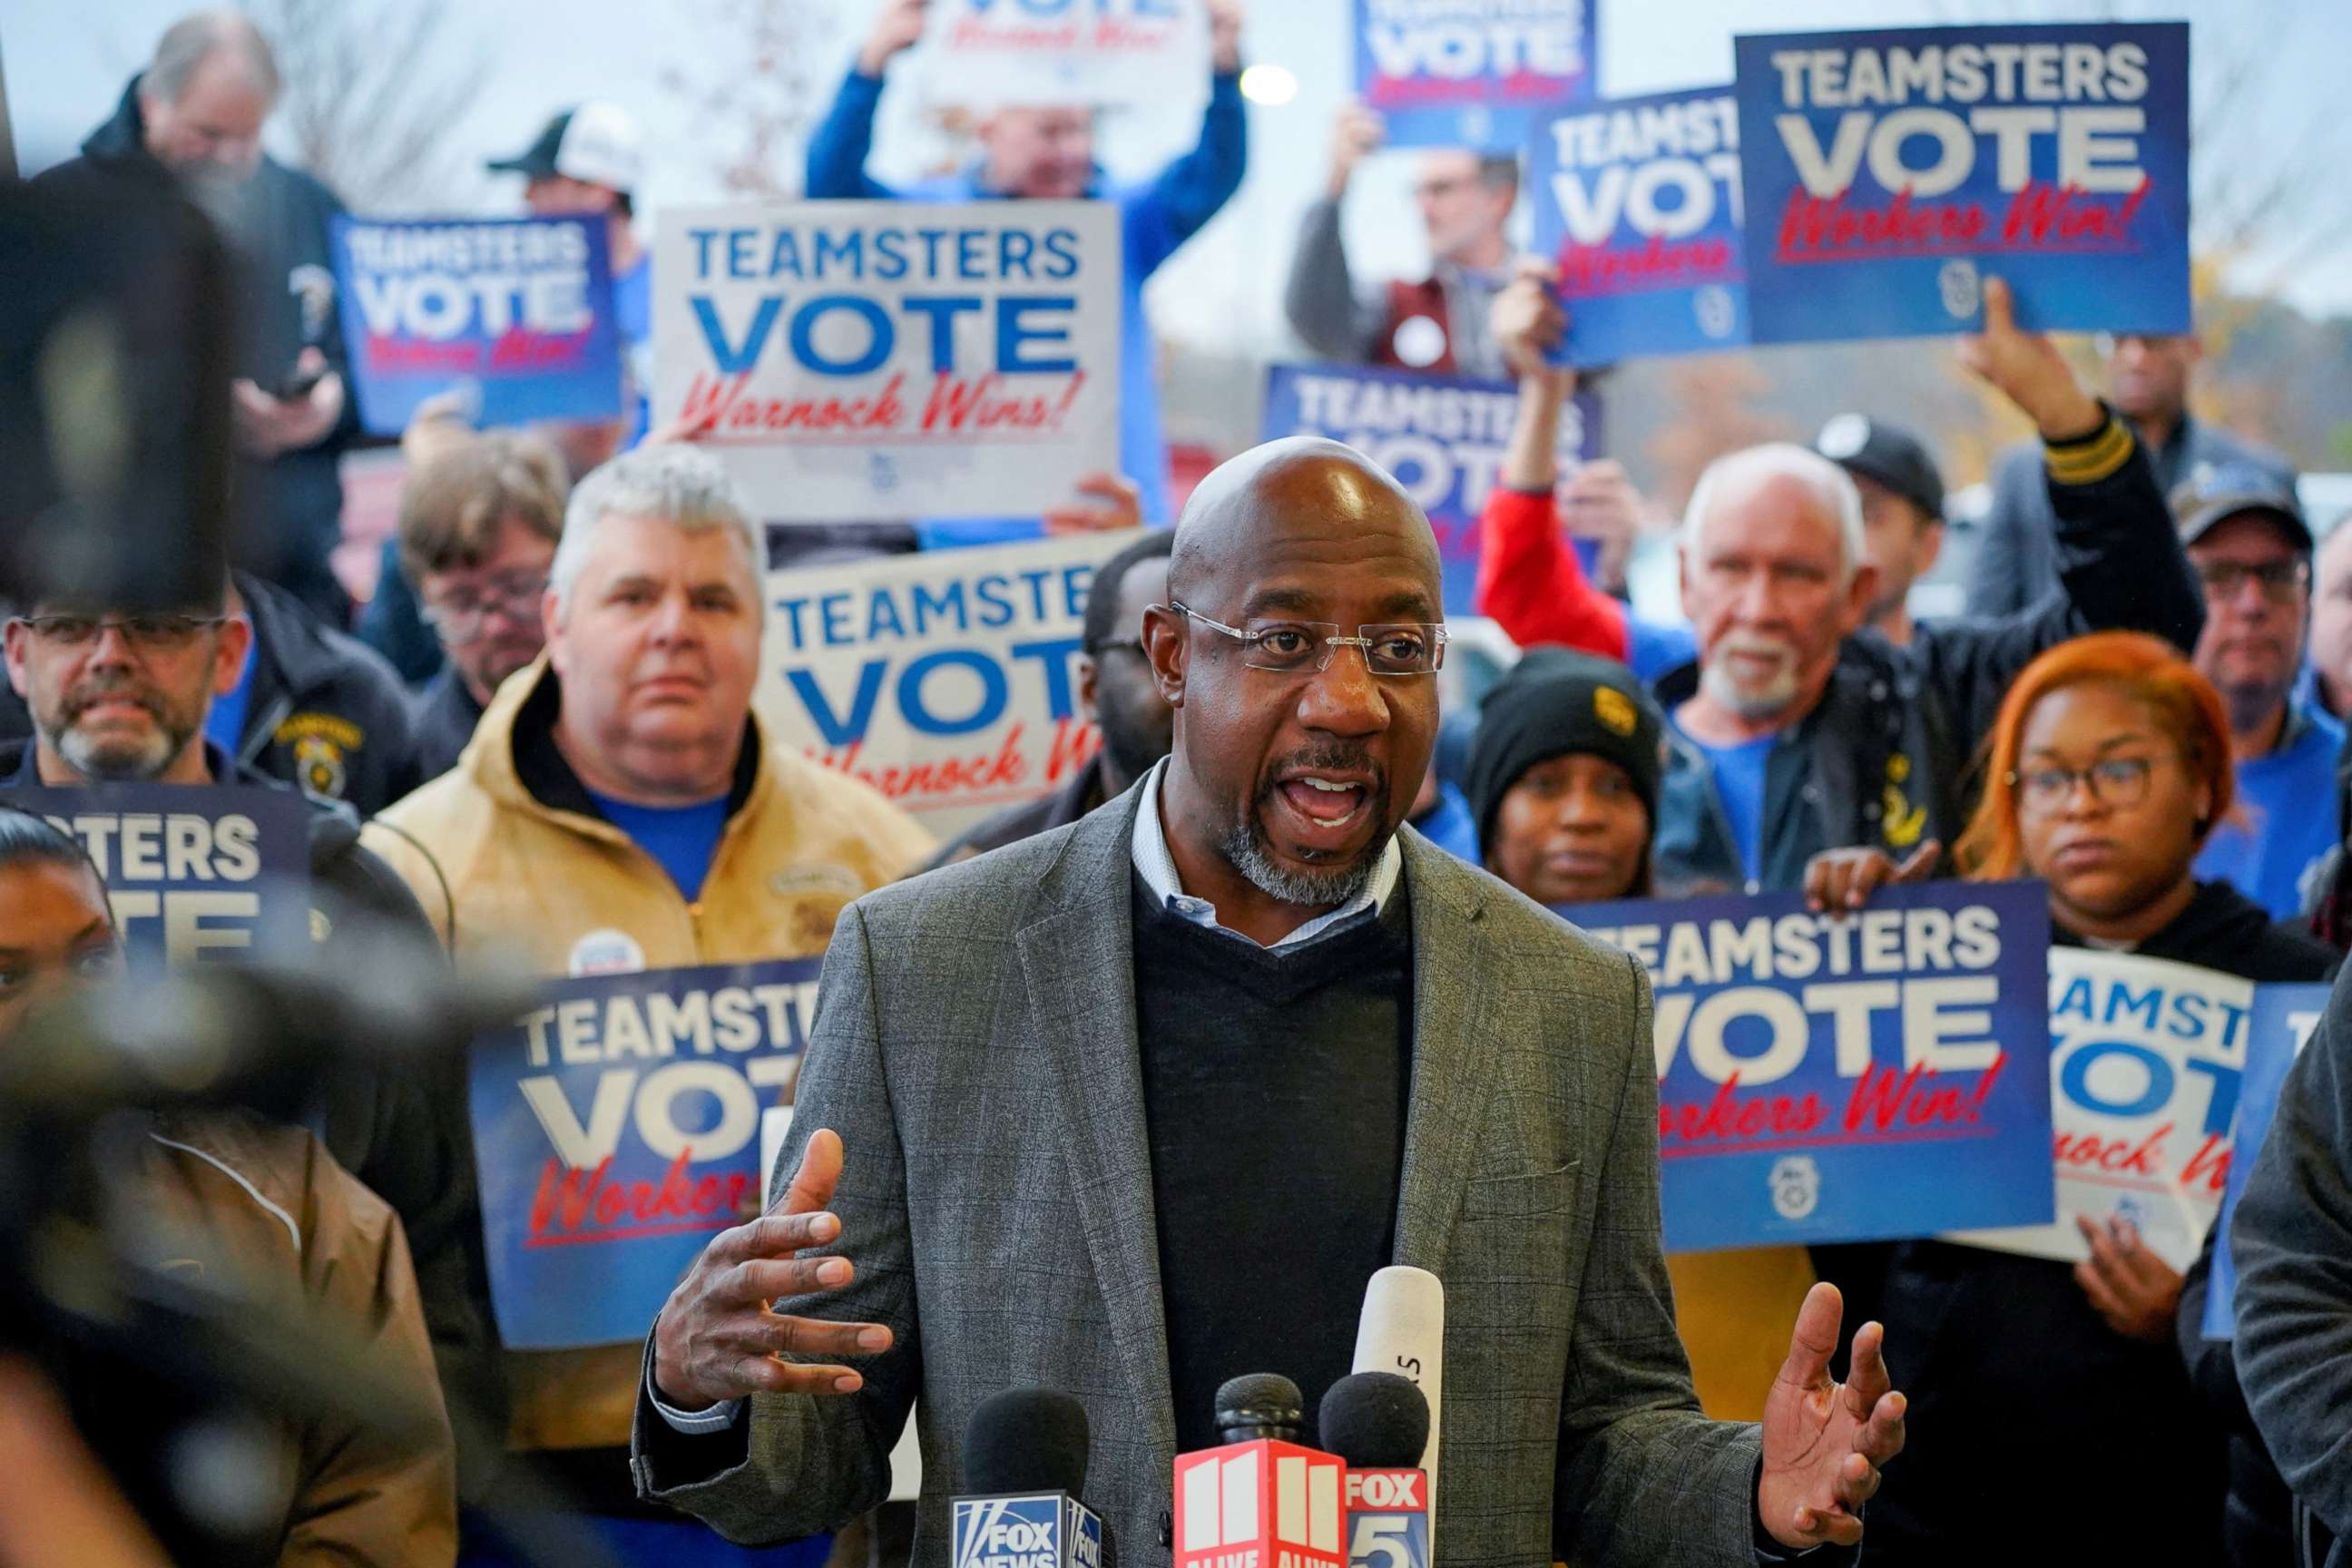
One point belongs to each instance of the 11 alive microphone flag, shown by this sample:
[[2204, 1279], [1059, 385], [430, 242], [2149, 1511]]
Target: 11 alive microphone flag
[[1261, 1504], [1037, 1529]]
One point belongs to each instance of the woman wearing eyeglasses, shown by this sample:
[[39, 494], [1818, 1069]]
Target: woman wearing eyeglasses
[[2107, 767]]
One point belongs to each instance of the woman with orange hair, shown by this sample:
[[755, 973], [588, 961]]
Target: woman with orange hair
[[2107, 766]]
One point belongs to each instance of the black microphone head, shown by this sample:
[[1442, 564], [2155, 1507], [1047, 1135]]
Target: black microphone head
[[1025, 1440], [1375, 1421], [1260, 1405]]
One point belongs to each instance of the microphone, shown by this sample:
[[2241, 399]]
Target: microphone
[[1261, 1500], [1379, 1423], [1403, 1332], [1024, 1461]]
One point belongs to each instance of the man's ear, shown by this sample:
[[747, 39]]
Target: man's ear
[[1859, 594], [1088, 678], [12, 642], [1167, 645], [230, 648]]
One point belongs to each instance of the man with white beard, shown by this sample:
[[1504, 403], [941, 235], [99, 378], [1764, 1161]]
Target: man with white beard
[[1796, 729]]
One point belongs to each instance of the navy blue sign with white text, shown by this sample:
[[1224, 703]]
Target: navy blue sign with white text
[[1442, 439], [1471, 73], [616, 1128], [1638, 203], [1889, 173], [1853, 1077], [516, 311], [191, 872]]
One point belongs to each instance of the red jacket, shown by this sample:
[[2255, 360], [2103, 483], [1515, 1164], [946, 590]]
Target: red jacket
[[1530, 582]]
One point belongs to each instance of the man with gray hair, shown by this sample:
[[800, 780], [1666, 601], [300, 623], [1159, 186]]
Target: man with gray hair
[[194, 115], [620, 808], [1799, 727]]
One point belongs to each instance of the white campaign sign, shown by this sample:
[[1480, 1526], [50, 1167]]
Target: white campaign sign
[[1112, 54], [2146, 1057], [884, 359]]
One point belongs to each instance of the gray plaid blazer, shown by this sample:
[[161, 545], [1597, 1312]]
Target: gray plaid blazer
[[975, 1048]]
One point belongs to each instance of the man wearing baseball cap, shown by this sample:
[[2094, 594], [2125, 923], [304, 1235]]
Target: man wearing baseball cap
[[2246, 538], [586, 161], [1902, 509]]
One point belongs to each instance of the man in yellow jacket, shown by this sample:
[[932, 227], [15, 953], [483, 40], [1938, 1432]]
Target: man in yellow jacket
[[619, 809]]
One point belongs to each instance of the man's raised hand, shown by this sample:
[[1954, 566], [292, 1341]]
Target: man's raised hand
[[717, 1339], [2027, 369], [1825, 1441]]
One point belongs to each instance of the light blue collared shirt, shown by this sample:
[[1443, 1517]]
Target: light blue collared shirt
[[1157, 869]]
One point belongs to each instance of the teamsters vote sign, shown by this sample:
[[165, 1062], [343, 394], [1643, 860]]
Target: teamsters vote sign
[[1638, 203], [946, 679], [884, 359], [616, 1128], [1471, 73], [1888, 172], [2147, 1058], [1825, 1078], [519, 312], [1442, 439], [191, 872]]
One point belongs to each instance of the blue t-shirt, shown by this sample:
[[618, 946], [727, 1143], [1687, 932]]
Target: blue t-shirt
[[1448, 824], [682, 838], [2287, 799], [224, 725], [1739, 790]]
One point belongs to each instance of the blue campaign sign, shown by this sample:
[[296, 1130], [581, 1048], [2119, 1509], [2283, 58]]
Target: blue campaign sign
[[1888, 172], [2284, 1017], [1638, 201], [192, 872], [1472, 73], [1855, 1078], [1442, 439], [517, 312], [616, 1129]]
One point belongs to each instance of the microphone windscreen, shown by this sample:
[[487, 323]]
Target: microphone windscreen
[[1260, 1399], [1375, 1421], [1026, 1440]]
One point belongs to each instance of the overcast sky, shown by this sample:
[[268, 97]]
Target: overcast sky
[[66, 62]]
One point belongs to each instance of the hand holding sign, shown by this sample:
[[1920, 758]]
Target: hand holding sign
[[267, 425], [1224, 36], [718, 1338], [2027, 369], [1837, 880], [897, 27], [1528, 325], [2134, 1291], [1357, 133], [1119, 507], [1825, 1441]]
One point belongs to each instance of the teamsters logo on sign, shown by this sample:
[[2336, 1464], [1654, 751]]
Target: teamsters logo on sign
[[1886, 172], [863, 359], [1845, 1078]]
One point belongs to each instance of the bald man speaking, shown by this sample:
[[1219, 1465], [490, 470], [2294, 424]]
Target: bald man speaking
[[1141, 1104]]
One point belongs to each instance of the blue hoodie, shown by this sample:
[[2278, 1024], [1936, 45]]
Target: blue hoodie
[[1155, 217]]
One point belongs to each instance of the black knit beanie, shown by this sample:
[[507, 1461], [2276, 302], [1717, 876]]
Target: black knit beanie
[[1556, 702]]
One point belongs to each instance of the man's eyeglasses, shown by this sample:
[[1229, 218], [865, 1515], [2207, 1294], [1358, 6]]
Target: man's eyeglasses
[[2120, 783], [459, 614], [148, 633], [1293, 647], [2281, 580]]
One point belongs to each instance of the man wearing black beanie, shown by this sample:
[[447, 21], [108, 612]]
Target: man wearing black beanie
[[1563, 777]]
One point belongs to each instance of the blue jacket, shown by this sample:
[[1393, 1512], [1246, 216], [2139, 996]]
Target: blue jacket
[[1155, 217]]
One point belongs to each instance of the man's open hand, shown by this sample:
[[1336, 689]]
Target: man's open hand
[[718, 1338], [1825, 1441]]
